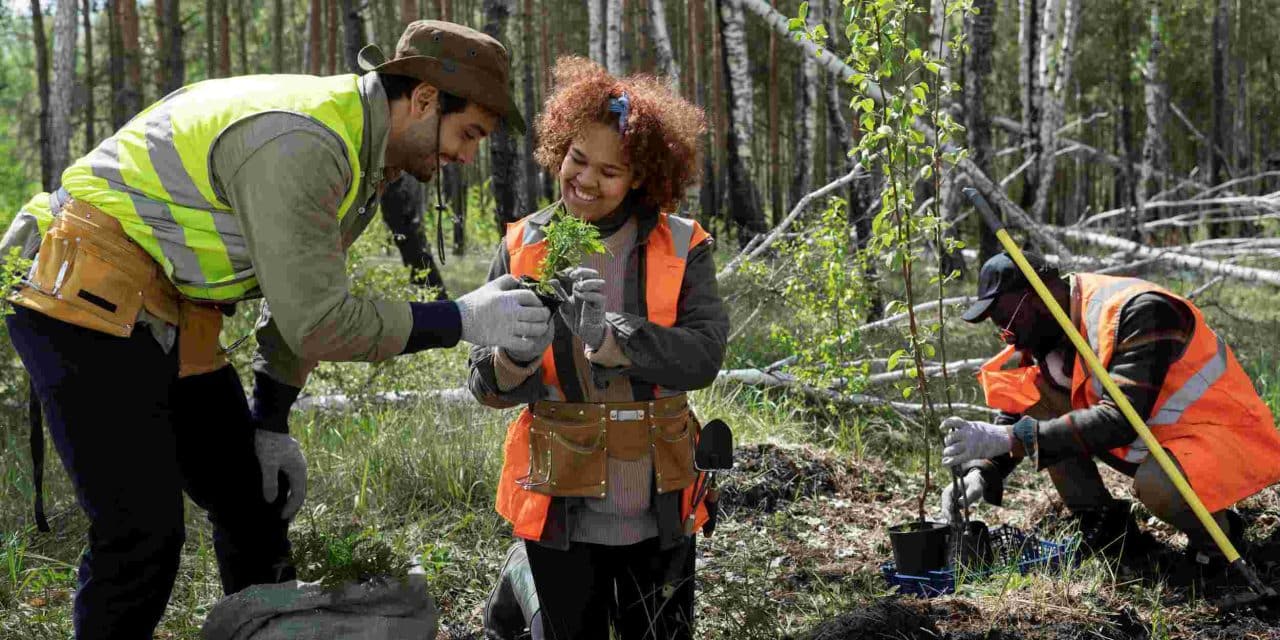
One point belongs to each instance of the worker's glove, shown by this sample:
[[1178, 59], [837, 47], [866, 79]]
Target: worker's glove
[[583, 312], [967, 441], [972, 486], [279, 453], [503, 314], [523, 356]]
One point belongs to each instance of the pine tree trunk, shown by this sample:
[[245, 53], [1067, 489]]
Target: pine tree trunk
[[658, 34], [173, 61], [331, 41], [64, 82], [115, 63], [315, 42], [353, 35], [1218, 133], [1154, 90], [745, 199], [90, 136], [131, 97], [242, 37], [47, 178], [613, 46], [224, 39], [455, 177], [502, 146], [408, 11], [210, 38], [531, 186], [719, 116], [775, 136], [980, 35], [595, 37], [277, 36], [158, 76], [1028, 40], [805, 117], [839, 138], [698, 80]]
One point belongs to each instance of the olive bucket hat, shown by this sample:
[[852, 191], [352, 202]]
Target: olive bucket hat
[[454, 59]]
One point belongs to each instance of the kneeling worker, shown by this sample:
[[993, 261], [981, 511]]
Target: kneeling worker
[[1179, 375], [228, 190]]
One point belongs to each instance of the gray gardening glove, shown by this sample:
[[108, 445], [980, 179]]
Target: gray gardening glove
[[505, 315], [279, 453], [583, 312], [523, 356], [968, 440], [972, 486]]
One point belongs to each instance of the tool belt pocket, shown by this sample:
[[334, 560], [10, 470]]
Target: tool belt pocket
[[198, 348], [86, 282], [674, 438], [567, 458]]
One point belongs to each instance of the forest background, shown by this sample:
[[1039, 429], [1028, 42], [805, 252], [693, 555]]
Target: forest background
[[1133, 136]]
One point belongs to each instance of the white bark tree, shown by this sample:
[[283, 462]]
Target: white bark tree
[[64, 82], [805, 114], [661, 38], [613, 37], [595, 34], [1154, 92], [743, 197]]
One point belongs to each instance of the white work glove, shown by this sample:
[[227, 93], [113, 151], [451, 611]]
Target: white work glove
[[503, 314], [972, 486], [967, 441], [583, 312], [279, 452]]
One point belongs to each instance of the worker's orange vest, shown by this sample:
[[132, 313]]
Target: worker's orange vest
[[1207, 413], [665, 253]]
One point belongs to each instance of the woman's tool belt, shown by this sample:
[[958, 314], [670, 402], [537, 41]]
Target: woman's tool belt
[[90, 274], [570, 444]]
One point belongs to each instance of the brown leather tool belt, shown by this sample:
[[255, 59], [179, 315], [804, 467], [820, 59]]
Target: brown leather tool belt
[[570, 444], [91, 274]]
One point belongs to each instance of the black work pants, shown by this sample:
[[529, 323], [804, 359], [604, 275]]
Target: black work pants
[[133, 437], [402, 213], [644, 592]]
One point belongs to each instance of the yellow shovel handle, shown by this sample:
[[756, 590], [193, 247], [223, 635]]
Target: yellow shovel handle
[[1100, 372]]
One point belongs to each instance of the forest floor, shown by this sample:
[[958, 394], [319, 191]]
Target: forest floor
[[796, 554]]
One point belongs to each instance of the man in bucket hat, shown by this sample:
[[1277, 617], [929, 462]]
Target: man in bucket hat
[[224, 191]]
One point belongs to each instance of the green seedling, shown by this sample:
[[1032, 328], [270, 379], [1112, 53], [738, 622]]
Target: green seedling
[[569, 240]]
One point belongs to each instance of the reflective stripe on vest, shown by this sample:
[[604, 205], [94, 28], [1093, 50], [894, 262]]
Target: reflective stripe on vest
[[1195, 379], [666, 251], [154, 174]]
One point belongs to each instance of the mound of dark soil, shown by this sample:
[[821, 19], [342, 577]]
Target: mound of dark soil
[[765, 476], [884, 620]]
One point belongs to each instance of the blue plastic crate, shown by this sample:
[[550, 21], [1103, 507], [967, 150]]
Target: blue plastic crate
[[1011, 548]]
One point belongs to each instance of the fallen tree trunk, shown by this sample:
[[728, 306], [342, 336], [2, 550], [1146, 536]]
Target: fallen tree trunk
[[759, 378], [1204, 265]]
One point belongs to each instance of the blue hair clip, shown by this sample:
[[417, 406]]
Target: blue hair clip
[[621, 106]]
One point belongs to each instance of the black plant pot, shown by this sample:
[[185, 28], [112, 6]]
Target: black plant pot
[[972, 546], [551, 302], [920, 546]]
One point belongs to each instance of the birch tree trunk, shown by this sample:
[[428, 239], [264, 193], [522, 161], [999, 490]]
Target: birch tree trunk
[[977, 71], [90, 137], [42, 79], [502, 146], [613, 16], [64, 82], [744, 198], [661, 38], [839, 139], [1028, 41], [131, 97], [315, 32], [775, 135], [1218, 132], [595, 37], [1054, 82], [1154, 90], [805, 117]]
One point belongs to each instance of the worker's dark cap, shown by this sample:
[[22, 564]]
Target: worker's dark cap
[[1001, 275], [454, 59]]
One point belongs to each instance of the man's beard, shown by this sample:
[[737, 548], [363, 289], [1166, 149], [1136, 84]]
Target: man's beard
[[425, 174]]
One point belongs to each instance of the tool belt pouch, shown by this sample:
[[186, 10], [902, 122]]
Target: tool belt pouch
[[198, 348], [86, 277], [567, 454], [674, 435]]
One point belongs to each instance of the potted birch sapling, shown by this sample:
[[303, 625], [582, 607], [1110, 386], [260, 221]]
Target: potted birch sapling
[[569, 239]]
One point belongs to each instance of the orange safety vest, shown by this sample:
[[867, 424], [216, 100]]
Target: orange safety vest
[[1208, 413], [667, 248]]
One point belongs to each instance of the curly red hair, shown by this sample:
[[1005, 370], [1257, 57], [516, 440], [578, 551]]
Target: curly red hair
[[663, 130]]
